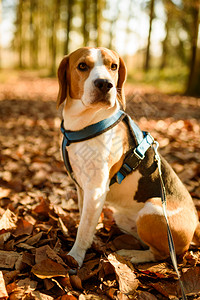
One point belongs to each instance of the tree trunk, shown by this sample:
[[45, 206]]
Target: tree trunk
[[147, 58], [85, 8], [69, 24], [53, 41], [34, 34], [165, 44], [193, 85], [19, 33]]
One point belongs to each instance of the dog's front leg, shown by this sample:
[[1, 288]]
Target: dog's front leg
[[93, 202], [80, 199]]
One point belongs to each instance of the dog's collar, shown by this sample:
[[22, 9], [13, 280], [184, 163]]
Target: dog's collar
[[91, 130], [143, 141]]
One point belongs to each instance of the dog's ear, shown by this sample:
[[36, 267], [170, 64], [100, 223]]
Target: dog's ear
[[120, 84], [62, 79]]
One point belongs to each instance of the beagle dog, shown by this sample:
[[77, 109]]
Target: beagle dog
[[91, 85]]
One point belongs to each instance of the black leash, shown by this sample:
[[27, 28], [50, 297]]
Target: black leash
[[169, 233]]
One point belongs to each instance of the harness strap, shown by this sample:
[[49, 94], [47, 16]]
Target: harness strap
[[91, 130], [133, 158], [169, 233]]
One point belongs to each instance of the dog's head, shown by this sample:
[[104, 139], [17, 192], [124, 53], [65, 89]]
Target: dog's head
[[93, 75]]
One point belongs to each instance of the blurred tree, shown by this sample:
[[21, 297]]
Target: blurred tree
[[193, 85], [165, 42], [151, 17], [85, 23], [70, 4], [34, 33], [55, 17], [19, 36], [99, 5]]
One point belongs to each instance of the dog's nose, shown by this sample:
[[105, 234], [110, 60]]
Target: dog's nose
[[104, 85]]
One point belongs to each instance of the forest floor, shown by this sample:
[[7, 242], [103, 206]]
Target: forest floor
[[39, 214]]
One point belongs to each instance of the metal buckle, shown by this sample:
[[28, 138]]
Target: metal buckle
[[140, 156]]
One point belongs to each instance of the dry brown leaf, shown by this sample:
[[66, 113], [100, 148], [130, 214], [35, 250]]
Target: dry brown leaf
[[48, 284], [43, 208], [12, 287], [34, 239], [166, 288], [9, 276], [40, 254], [71, 262], [48, 269], [3, 291], [126, 241], [35, 295], [68, 297], [191, 281], [4, 237], [145, 296], [8, 220], [125, 275], [24, 246], [27, 284], [156, 270], [89, 269], [65, 282], [45, 252], [8, 259], [76, 282], [107, 218], [4, 192], [23, 228]]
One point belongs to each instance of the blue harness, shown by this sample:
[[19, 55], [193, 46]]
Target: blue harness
[[133, 157]]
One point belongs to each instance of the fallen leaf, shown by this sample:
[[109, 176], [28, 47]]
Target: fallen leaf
[[48, 269], [48, 284], [35, 295], [156, 270], [34, 239], [27, 284], [23, 227], [126, 241], [166, 288], [3, 291], [8, 220], [107, 218], [191, 281], [145, 296], [9, 276], [8, 259], [68, 297], [125, 274], [76, 282], [43, 208]]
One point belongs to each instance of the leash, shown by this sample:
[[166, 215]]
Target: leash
[[169, 233]]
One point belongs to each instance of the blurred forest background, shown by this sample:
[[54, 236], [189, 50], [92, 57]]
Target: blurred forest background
[[160, 42], [159, 39]]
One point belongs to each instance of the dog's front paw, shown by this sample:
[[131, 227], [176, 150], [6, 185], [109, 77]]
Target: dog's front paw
[[76, 258]]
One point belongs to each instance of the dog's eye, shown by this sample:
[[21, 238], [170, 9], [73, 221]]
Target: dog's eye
[[83, 66], [114, 67]]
